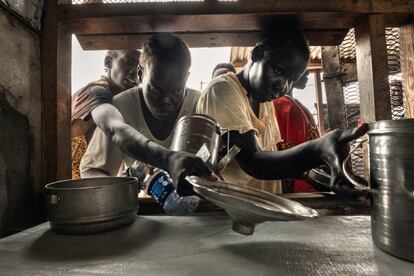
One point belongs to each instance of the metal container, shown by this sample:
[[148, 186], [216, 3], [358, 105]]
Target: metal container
[[391, 150], [91, 205], [194, 131]]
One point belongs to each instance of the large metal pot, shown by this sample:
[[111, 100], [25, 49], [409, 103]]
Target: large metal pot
[[91, 205], [391, 150]]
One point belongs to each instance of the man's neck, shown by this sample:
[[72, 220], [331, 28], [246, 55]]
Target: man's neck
[[243, 77], [160, 128], [115, 89]]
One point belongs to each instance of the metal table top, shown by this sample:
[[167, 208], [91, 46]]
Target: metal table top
[[205, 245]]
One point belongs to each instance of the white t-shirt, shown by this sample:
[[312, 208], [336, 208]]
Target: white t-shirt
[[103, 155], [226, 100]]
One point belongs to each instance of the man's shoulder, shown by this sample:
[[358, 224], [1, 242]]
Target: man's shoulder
[[98, 91], [90, 88], [221, 83], [127, 96], [192, 94], [193, 91]]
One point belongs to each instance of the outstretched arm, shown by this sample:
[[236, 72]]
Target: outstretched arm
[[179, 164], [294, 161], [108, 118]]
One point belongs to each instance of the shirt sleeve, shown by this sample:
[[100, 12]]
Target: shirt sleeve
[[101, 155], [84, 101], [227, 105]]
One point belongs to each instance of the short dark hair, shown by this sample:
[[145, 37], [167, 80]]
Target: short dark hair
[[225, 65], [285, 38], [166, 47]]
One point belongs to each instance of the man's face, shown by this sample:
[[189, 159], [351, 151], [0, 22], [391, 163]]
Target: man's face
[[163, 87], [272, 76], [124, 69], [303, 80]]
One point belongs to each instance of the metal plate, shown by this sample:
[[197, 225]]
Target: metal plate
[[248, 206]]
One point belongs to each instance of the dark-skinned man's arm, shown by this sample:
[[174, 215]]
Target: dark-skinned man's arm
[[179, 164], [288, 163]]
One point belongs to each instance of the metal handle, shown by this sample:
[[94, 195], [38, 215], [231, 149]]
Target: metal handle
[[54, 199], [349, 176], [365, 186], [227, 158]]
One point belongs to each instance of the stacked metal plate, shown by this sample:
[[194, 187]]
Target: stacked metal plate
[[248, 206]]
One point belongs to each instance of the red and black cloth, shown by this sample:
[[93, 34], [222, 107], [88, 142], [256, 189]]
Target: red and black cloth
[[296, 126]]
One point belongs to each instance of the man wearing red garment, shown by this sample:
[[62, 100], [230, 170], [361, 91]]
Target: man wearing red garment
[[296, 126]]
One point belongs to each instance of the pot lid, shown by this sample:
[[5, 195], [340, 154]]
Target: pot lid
[[248, 206]]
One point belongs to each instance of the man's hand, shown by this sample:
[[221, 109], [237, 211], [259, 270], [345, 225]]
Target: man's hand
[[181, 164], [332, 148]]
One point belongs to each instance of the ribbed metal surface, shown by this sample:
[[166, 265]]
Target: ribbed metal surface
[[392, 174], [29, 10], [347, 52], [394, 70]]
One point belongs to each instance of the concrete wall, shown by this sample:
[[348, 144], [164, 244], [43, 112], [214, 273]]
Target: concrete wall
[[20, 193]]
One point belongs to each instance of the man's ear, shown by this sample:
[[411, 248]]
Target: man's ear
[[108, 62], [257, 52]]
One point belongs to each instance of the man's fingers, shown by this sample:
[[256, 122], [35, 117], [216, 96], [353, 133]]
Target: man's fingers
[[211, 177], [350, 134], [200, 168], [336, 170]]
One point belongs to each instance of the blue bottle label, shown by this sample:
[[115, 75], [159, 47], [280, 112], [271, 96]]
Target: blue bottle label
[[161, 187]]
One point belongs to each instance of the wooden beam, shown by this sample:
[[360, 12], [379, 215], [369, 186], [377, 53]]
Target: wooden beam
[[333, 87], [372, 67], [246, 39], [349, 72], [319, 102], [150, 23], [63, 106], [407, 66], [134, 41], [241, 6]]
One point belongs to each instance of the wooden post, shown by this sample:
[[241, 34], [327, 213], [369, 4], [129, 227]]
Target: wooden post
[[64, 97], [319, 102], [48, 97], [372, 67], [333, 87], [407, 66], [56, 97]]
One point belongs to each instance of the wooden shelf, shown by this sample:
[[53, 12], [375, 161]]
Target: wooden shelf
[[214, 24]]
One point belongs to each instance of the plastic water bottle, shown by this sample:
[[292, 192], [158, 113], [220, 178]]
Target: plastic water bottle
[[161, 188]]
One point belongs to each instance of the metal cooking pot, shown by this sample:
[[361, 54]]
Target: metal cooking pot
[[91, 205], [201, 134], [391, 150], [192, 132]]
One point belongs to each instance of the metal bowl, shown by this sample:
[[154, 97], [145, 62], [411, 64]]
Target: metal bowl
[[248, 206], [318, 179], [91, 205]]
